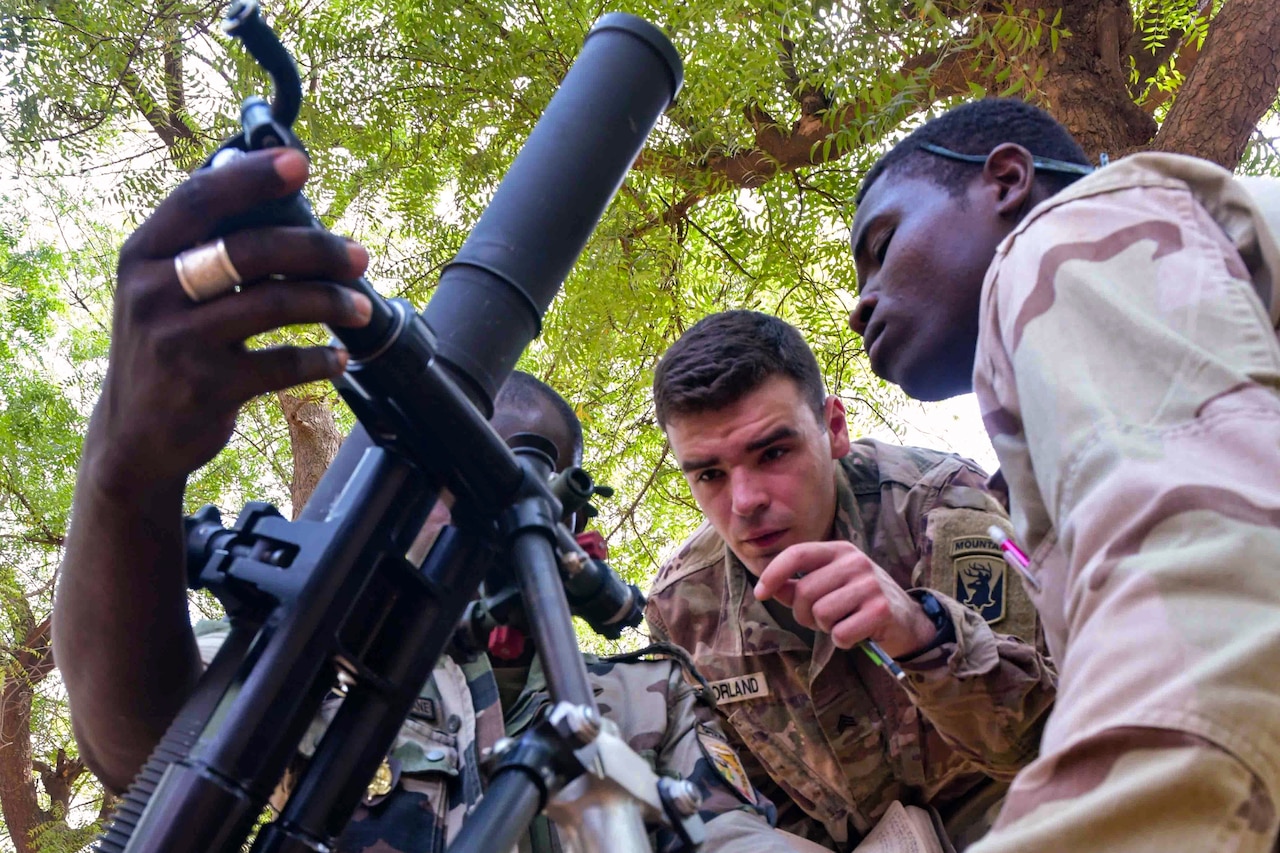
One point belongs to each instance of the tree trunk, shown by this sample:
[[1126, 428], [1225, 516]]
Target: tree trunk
[[1086, 79], [1231, 87], [22, 811], [314, 436], [30, 664]]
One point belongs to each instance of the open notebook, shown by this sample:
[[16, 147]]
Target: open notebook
[[903, 829]]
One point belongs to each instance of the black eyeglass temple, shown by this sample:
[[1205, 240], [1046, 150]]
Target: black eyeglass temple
[[1045, 164]]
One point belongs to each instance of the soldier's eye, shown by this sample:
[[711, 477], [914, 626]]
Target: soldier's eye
[[708, 476], [882, 245]]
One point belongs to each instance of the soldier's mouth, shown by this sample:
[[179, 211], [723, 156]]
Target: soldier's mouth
[[873, 330], [767, 539]]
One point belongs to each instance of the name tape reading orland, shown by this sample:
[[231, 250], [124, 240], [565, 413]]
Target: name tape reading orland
[[740, 687]]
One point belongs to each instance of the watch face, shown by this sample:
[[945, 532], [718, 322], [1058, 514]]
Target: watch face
[[930, 606], [939, 616]]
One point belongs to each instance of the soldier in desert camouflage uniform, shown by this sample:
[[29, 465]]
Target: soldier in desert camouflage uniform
[[1119, 331], [833, 738]]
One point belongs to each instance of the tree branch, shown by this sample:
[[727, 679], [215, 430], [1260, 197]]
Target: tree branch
[[34, 658], [169, 121], [812, 100], [44, 534], [787, 62], [1234, 83], [804, 144], [59, 781], [174, 91], [629, 513], [713, 241]]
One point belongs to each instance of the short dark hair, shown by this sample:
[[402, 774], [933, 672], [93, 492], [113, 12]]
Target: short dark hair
[[524, 392], [979, 127], [725, 356]]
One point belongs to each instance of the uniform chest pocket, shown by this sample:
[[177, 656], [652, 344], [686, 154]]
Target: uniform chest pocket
[[414, 815], [807, 773], [424, 749]]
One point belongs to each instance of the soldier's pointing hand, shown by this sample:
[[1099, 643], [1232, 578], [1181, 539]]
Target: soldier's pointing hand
[[835, 588]]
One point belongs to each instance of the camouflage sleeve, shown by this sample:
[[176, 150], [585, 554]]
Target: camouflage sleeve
[[988, 693], [658, 632], [737, 816], [1128, 375]]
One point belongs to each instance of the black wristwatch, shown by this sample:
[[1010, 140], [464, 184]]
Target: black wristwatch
[[940, 618]]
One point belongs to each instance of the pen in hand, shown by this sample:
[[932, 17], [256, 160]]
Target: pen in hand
[[879, 658]]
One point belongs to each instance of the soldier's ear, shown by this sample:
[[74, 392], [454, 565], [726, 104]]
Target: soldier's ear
[[1011, 175], [837, 425]]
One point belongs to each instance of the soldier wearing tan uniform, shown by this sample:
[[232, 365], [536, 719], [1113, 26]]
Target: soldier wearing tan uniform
[[889, 544], [1119, 330]]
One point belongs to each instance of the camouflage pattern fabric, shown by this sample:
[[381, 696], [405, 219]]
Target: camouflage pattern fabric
[[667, 720], [1128, 372], [832, 739], [434, 778]]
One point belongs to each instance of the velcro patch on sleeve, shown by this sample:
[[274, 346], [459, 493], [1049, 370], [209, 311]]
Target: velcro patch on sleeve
[[727, 763], [980, 579], [739, 688], [967, 564]]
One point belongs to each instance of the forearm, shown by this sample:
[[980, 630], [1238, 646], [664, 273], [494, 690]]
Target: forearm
[[987, 694], [120, 631], [1207, 799]]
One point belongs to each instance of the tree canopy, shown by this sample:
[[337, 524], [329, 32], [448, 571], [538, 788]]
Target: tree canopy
[[412, 111]]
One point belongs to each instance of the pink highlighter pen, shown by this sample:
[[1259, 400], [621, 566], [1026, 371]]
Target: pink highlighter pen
[[1014, 556]]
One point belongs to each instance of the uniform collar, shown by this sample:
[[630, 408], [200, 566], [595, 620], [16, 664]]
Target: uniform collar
[[849, 523], [534, 695]]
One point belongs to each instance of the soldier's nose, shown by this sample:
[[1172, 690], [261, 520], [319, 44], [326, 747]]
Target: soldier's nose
[[860, 316], [748, 498]]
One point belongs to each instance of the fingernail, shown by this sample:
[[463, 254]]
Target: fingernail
[[289, 164], [226, 157], [759, 590], [358, 257], [361, 306], [340, 357]]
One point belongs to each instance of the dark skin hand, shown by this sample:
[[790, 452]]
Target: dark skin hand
[[178, 374]]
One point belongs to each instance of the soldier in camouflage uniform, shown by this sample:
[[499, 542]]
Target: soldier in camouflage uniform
[[125, 562], [431, 779], [432, 776], [1120, 330], [889, 543]]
